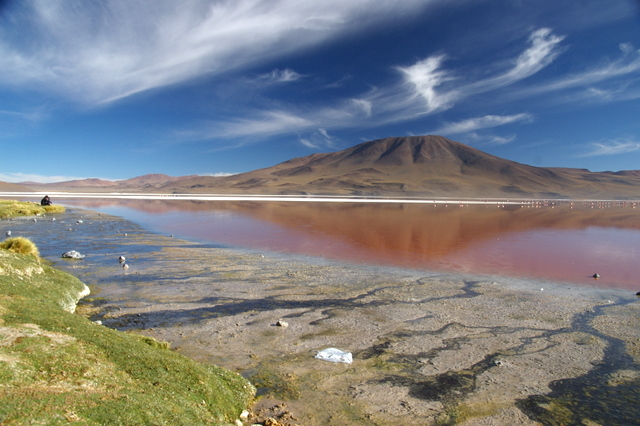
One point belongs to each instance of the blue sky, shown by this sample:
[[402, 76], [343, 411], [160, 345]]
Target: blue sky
[[120, 88]]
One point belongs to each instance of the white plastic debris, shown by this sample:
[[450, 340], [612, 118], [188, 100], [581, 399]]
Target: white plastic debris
[[335, 355]]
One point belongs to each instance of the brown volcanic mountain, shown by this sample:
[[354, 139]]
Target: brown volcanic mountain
[[420, 166]]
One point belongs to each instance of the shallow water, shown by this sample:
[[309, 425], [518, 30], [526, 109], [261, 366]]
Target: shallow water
[[567, 242], [428, 347]]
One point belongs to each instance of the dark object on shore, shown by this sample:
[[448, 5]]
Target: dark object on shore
[[46, 201], [596, 276], [638, 293]]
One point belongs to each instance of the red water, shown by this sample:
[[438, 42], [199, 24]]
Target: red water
[[565, 242]]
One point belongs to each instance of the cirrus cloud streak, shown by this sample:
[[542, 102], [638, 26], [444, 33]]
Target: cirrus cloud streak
[[612, 147], [96, 55]]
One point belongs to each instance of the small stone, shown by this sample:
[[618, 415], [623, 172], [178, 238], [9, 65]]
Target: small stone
[[638, 293], [72, 254], [244, 415], [282, 324]]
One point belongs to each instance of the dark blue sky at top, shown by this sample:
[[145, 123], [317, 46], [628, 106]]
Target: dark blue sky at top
[[121, 88]]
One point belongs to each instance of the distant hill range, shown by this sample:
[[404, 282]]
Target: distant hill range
[[417, 166]]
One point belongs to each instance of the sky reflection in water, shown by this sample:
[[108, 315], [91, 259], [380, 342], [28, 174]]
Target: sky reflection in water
[[564, 242]]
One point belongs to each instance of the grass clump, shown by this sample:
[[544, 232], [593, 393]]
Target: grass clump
[[20, 245], [57, 367], [11, 208]]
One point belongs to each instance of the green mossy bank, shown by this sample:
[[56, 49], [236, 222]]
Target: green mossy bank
[[58, 367]]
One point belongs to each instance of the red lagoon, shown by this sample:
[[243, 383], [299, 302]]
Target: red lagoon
[[557, 241]]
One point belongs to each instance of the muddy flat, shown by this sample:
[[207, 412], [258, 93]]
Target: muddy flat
[[427, 348]]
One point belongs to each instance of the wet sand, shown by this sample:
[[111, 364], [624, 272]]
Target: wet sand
[[427, 348]]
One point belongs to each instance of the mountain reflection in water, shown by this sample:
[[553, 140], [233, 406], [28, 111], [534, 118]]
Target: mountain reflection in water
[[559, 241]]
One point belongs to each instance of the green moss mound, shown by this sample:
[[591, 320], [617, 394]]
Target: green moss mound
[[57, 367], [20, 245]]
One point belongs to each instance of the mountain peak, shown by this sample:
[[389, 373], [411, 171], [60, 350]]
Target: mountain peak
[[399, 151]]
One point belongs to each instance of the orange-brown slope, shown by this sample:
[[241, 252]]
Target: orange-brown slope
[[13, 187], [149, 182], [79, 185], [417, 166]]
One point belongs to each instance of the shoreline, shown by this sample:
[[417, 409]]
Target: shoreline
[[428, 347], [478, 239], [312, 198]]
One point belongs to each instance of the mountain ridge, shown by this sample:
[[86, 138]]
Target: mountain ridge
[[414, 166]]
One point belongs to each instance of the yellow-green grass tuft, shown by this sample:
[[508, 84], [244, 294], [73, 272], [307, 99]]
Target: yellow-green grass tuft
[[12, 208], [54, 208], [20, 245]]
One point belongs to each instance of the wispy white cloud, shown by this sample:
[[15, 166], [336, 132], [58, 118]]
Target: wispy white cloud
[[618, 74], [34, 115], [488, 139], [364, 105], [477, 123], [28, 177], [280, 76], [318, 139], [267, 123], [500, 140], [612, 147], [100, 52], [338, 83], [544, 48], [417, 92], [424, 77], [218, 174], [427, 87]]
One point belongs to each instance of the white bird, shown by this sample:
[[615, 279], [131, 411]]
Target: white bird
[[8, 233], [125, 266], [121, 259]]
